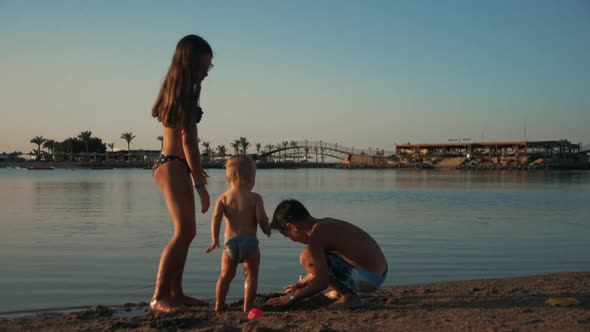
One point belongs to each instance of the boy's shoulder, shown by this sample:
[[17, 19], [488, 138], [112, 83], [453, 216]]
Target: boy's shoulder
[[326, 226], [256, 195]]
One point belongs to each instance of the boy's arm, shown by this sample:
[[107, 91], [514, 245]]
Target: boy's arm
[[317, 280], [320, 277], [261, 216], [216, 224]]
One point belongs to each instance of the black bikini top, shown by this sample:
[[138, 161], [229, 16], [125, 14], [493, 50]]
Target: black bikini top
[[199, 114]]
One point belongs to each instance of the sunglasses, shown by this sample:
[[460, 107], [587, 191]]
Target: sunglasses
[[206, 69]]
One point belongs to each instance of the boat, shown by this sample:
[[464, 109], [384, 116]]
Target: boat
[[40, 168]]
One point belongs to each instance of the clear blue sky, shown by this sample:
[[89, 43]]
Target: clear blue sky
[[357, 73]]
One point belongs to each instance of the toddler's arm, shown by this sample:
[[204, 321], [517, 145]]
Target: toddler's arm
[[216, 224]]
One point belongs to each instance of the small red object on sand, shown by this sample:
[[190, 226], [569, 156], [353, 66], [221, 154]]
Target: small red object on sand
[[255, 313]]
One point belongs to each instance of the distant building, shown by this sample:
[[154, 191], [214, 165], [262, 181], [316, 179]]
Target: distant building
[[557, 153]]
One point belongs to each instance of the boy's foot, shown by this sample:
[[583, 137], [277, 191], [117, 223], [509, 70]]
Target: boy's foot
[[193, 302], [166, 306], [347, 302], [332, 295]]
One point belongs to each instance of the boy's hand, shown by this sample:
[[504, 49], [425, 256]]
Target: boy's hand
[[267, 232], [214, 244], [205, 200], [279, 301], [293, 287]]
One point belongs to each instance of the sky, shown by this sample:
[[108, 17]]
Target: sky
[[363, 74]]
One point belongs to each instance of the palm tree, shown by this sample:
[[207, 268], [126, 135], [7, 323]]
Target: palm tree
[[236, 145], [269, 148], [221, 151], [207, 150], [294, 151], [49, 145], [244, 144], [258, 147], [85, 137], [112, 147], [128, 137], [161, 139], [38, 140]]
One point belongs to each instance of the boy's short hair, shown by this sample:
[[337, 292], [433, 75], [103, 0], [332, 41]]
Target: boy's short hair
[[240, 168], [288, 211]]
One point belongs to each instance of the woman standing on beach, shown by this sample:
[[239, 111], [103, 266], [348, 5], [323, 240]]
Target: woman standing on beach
[[177, 108]]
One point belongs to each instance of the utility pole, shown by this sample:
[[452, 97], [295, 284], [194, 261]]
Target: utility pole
[[526, 150]]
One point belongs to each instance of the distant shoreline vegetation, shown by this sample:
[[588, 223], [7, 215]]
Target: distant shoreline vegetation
[[85, 151], [51, 165], [48, 165]]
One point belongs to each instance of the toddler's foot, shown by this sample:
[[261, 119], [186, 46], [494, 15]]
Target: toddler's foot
[[220, 307], [166, 306]]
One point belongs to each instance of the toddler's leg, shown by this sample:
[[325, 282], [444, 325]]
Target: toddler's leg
[[251, 265], [228, 272]]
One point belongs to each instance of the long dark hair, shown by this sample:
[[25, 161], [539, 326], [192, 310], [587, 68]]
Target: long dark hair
[[179, 95]]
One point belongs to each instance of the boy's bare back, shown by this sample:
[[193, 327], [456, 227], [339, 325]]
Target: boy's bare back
[[352, 243]]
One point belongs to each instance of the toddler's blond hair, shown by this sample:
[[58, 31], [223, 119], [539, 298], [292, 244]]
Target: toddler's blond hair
[[240, 169]]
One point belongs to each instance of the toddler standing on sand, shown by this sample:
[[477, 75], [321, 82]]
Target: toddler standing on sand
[[244, 212]]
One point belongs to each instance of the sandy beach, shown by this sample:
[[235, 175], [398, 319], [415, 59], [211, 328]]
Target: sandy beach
[[507, 304]]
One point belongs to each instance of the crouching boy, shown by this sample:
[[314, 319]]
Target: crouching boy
[[338, 255]]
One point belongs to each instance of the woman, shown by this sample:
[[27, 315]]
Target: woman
[[177, 108]]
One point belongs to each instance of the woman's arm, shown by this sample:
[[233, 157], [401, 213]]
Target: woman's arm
[[192, 155]]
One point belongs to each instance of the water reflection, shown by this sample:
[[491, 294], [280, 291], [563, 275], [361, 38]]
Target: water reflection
[[84, 237]]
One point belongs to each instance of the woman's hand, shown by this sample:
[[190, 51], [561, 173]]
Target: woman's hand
[[200, 180], [200, 177], [204, 196]]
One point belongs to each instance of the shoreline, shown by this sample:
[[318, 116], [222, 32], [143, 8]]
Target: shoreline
[[496, 304], [50, 165]]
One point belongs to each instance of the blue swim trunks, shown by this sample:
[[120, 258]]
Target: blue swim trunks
[[354, 278], [240, 247]]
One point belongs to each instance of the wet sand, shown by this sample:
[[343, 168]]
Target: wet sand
[[507, 304]]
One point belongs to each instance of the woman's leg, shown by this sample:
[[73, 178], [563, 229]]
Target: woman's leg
[[175, 184]]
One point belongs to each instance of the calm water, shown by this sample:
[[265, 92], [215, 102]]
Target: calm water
[[85, 237]]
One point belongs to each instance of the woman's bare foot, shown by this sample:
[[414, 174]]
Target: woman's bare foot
[[348, 301], [192, 302], [166, 306]]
